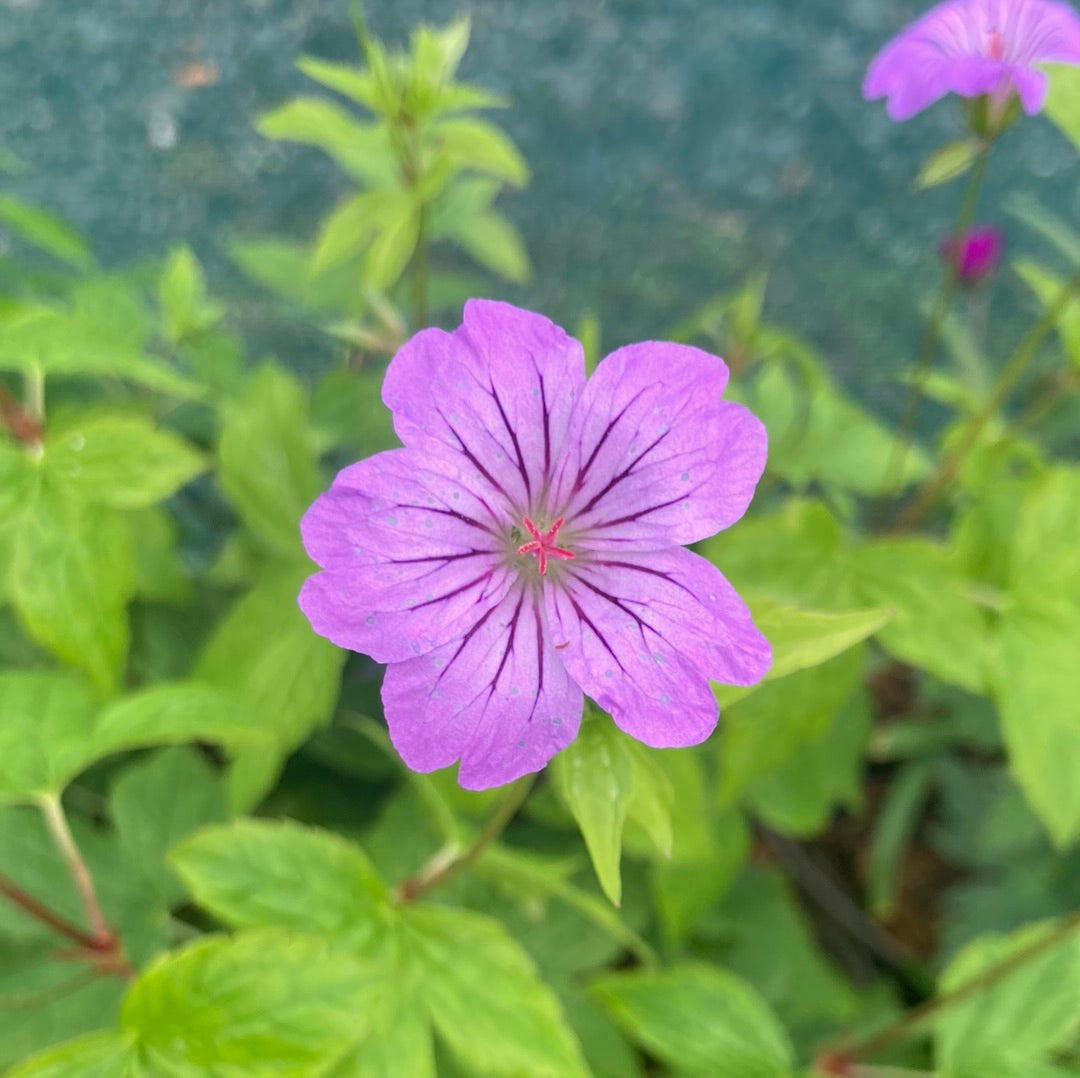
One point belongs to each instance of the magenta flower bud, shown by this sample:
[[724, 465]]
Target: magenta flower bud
[[527, 545], [975, 48], [973, 255]]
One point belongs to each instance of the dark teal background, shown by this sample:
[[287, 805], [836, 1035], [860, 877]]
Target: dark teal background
[[675, 146]]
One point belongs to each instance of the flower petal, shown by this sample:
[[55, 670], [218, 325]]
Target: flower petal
[[646, 632], [654, 456], [498, 699], [410, 558], [500, 391]]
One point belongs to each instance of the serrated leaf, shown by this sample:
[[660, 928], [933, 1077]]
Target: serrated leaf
[[121, 461], [71, 577], [97, 1055], [51, 728], [268, 468], [478, 145], [185, 309], [266, 652], [484, 996], [46, 232], [1021, 1019], [260, 1005], [948, 163], [262, 873], [937, 624], [361, 149], [699, 1019], [1063, 100], [147, 824], [595, 779]]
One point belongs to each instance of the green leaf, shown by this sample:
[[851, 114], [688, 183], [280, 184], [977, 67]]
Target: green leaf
[[393, 247], [51, 730], [804, 638], [347, 410], [46, 232], [98, 1055], [185, 308], [349, 81], [900, 813], [71, 577], [361, 149], [259, 1005], [20, 476], [938, 625], [347, 231], [595, 778], [1021, 1019], [485, 998], [268, 468], [1038, 639], [799, 795], [948, 163], [147, 824], [121, 461], [55, 342], [262, 873], [265, 651], [495, 243], [700, 1020], [1063, 100], [478, 145], [160, 576], [776, 722]]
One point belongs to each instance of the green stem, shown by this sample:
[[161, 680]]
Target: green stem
[[908, 1023], [932, 334], [446, 865], [1026, 350], [53, 811]]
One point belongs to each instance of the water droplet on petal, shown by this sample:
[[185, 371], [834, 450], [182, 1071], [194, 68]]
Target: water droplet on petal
[[369, 620]]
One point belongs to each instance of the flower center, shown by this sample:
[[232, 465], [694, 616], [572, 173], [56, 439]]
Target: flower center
[[995, 45], [542, 544]]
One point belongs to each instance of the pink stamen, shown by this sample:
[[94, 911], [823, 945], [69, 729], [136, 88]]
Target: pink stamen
[[543, 543], [995, 45]]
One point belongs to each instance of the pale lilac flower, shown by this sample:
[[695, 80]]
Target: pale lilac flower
[[525, 547], [975, 47], [973, 255]]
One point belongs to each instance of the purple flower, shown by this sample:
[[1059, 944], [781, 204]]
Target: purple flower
[[974, 255], [525, 548], [971, 48]]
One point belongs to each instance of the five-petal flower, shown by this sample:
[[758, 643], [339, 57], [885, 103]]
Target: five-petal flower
[[972, 48], [526, 546]]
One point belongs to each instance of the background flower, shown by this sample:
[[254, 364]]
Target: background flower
[[526, 545], [971, 48], [974, 254]]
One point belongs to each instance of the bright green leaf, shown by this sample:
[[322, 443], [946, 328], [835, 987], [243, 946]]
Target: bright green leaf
[[261, 873], [71, 577], [260, 1005], [97, 1055], [1063, 101], [185, 309], [948, 163], [937, 624], [268, 468], [121, 461], [347, 80], [1038, 639], [361, 149], [699, 1019], [265, 651], [485, 998], [595, 778], [478, 145], [495, 243], [1019, 1020]]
